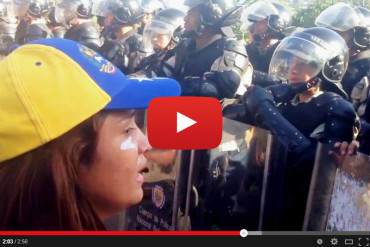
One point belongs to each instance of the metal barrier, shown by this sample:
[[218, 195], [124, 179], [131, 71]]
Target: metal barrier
[[251, 181]]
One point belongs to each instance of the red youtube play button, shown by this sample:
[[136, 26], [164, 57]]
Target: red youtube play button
[[184, 123]]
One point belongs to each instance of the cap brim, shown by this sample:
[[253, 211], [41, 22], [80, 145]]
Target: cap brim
[[138, 93]]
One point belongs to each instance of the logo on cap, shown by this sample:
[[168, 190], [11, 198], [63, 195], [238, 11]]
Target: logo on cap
[[99, 61]]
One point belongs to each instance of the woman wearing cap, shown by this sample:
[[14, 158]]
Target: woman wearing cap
[[71, 153]]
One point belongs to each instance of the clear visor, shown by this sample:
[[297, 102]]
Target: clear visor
[[157, 35], [257, 11], [339, 17], [297, 60], [69, 9]]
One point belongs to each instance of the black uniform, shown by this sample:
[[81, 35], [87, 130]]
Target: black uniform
[[358, 68], [86, 33], [261, 63], [217, 70], [126, 54], [364, 136]]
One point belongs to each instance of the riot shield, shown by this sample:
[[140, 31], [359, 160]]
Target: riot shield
[[286, 183], [339, 198], [224, 184]]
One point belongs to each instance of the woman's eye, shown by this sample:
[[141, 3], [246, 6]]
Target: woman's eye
[[129, 130]]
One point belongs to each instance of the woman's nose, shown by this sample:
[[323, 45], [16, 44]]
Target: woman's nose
[[143, 143]]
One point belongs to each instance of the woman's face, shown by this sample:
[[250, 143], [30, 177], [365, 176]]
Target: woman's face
[[300, 71], [113, 181]]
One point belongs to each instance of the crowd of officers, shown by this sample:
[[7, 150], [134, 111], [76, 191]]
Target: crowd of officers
[[305, 85]]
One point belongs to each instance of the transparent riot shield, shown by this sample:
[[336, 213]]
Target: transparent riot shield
[[224, 184], [286, 183], [339, 197]]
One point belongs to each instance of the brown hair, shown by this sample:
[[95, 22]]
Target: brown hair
[[40, 189]]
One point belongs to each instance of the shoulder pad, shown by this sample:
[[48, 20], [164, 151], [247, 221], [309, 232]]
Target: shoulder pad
[[235, 46]]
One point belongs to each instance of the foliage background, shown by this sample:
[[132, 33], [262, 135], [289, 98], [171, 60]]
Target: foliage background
[[306, 11]]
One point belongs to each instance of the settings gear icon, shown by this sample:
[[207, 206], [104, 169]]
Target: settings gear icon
[[334, 241]]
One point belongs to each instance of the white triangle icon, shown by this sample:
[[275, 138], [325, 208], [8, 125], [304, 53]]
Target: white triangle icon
[[184, 122]]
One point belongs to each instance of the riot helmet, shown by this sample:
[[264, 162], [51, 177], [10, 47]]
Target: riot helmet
[[77, 9], [339, 17], [166, 28], [362, 33], [313, 52], [281, 22], [216, 14], [128, 13], [348, 22], [264, 18], [39, 8]]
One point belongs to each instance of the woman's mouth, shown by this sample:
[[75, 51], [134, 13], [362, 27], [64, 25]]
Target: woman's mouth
[[143, 168], [140, 176]]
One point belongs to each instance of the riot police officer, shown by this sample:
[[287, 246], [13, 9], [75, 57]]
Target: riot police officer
[[8, 27], [161, 36], [306, 60], [56, 22], [266, 23], [83, 29], [34, 24], [210, 62], [354, 28], [123, 45]]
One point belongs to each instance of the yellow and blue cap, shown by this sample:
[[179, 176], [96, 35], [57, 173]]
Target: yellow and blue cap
[[50, 86]]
